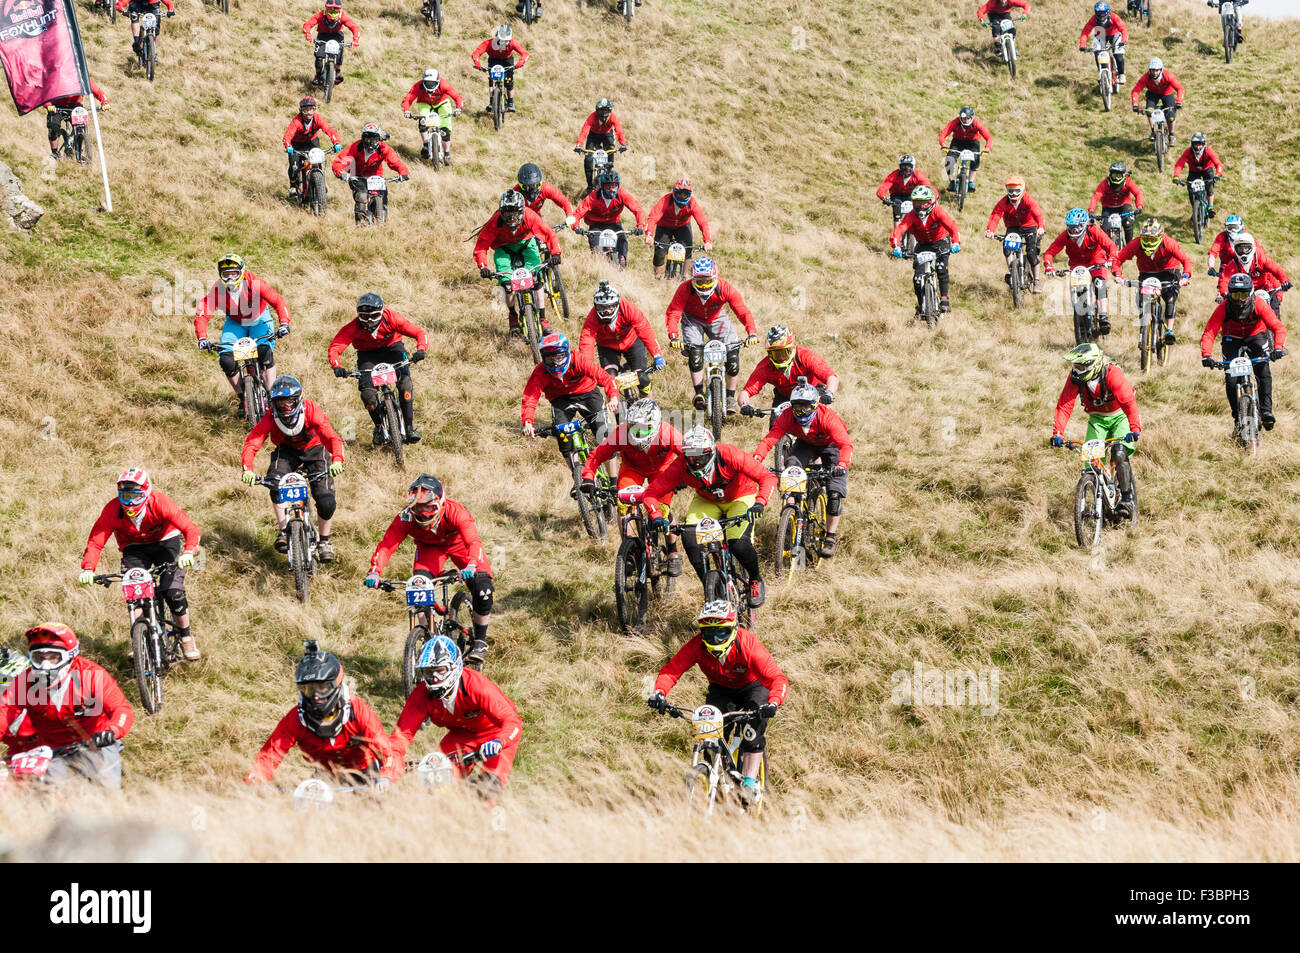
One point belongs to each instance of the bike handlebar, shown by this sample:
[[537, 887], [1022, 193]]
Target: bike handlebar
[[358, 374], [105, 579], [399, 585], [1223, 365], [309, 474]]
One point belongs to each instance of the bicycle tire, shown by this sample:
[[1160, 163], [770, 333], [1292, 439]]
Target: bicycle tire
[[327, 79], [532, 329], [1229, 44], [1157, 331], [786, 526], [298, 559], [393, 420], [1160, 150], [1087, 525], [586, 510], [316, 192], [147, 678], [415, 641], [1144, 342], [1249, 425], [225, 6], [963, 182], [558, 292], [1198, 220], [930, 305], [252, 413], [716, 403], [1017, 291], [1011, 57], [498, 108], [815, 527], [631, 596], [745, 615], [700, 793], [781, 457], [150, 58], [112, 12], [1105, 84]]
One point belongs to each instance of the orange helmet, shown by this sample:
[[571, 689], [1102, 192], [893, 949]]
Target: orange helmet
[[1015, 187]]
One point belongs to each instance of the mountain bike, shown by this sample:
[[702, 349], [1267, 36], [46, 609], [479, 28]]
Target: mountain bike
[[641, 566], [782, 449], [724, 578], [908, 242], [1103, 54], [252, 389], [1196, 195], [426, 598], [72, 126], [626, 8], [965, 158], [1160, 133], [318, 793], [1229, 19], [31, 767], [607, 242], [432, 11], [715, 355], [925, 270], [377, 201], [107, 7], [597, 510], [383, 378], [429, 124], [555, 295], [629, 384], [531, 307], [529, 12], [1083, 302], [675, 258], [496, 93], [1013, 248], [1096, 495], [155, 639], [1151, 319], [147, 58], [437, 771], [1112, 223], [1140, 10], [291, 492], [329, 53], [714, 775], [309, 179], [1006, 41], [801, 527], [1241, 374], [601, 159]]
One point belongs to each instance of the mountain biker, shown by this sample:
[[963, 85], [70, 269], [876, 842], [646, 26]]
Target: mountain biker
[[536, 192], [1024, 217], [537, 8], [501, 48], [1113, 31], [602, 130], [898, 186], [1118, 195], [442, 529], [434, 95], [329, 24], [1221, 247], [966, 132], [246, 300], [993, 12], [670, 221], [646, 445], [376, 332], [336, 731], [303, 438], [1089, 247], [1111, 403], [475, 711], [150, 530], [695, 315], [1202, 163], [1163, 90], [934, 231], [603, 208], [302, 135], [138, 8], [1159, 256], [514, 234], [570, 383], [742, 676], [1241, 37], [1246, 323], [54, 117], [1265, 273], [728, 482], [617, 335], [785, 364], [362, 159], [63, 698]]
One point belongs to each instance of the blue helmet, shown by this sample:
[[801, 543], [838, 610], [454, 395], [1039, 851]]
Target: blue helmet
[[286, 401], [556, 345], [1076, 222], [1101, 8], [439, 666], [1233, 223]]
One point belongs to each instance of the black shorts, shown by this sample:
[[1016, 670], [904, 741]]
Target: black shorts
[[314, 463], [633, 359], [382, 355], [148, 555], [1166, 102], [957, 145], [735, 699], [665, 236], [804, 455], [589, 406]]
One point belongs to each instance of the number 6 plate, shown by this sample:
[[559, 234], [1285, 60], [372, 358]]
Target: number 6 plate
[[708, 531]]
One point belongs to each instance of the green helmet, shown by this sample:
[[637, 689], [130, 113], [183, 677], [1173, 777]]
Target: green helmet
[[1087, 362]]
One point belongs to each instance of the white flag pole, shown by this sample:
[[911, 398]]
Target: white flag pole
[[103, 166], [74, 32]]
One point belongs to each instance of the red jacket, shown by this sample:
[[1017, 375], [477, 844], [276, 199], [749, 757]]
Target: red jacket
[[1111, 197], [1116, 394], [826, 428], [123, 4], [1095, 249], [955, 129], [1168, 84], [895, 186], [85, 701], [735, 474], [161, 519], [1261, 319], [254, 297], [1024, 214], [630, 325], [1000, 7], [315, 432], [1116, 25], [650, 462], [1266, 274], [1209, 160], [747, 662], [493, 53], [362, 742], [671, 215], [601, 128], [454, 524], [316, 23], [444, 92], [494, 235], [937, 226], [392, 328], [807, 363], [548, 191], [301, 137], [686, 302], [583, 376], [354, 160], [1169, 256], [1221, 247], [72, 102], [596, 210], [480, 708]]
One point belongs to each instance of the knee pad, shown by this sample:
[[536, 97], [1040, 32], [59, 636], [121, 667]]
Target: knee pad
[[266, 356], [695, 358], [733, 363], [834, 504], [1119, 453], [481, 592], [176, 601], [325, 504], [445, 134], [227, 362]]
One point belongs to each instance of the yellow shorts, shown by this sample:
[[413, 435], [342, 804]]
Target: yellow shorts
[[701, 507]]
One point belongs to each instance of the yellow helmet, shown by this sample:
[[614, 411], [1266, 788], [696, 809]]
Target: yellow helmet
[[717, 623], [1152, 233]]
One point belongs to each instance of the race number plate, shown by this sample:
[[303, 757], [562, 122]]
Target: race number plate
[[1157, 117], [137, 584], [521, 280], [1151, 286], [376, 183], [292, 489], [79, 116], [1012, 242], [332, 47], [435, 770], [715, 352], [793, 480], [245, 349], [1092, 450], [1080, 277], [708, 531], [676, 252], [419, 591], [313, 793], [149, 22], [32, 764], [967, 156], [382, 374], [1103, 57], [608, 239], [1239, 367], [627, 380], [706, 722], [631, 495], [316, 156], [1198, 185], [497, 73], [924, 257]]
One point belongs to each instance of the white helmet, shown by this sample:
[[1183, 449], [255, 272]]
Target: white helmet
[[700, 450], [1244, 238], [502, 37], [643, 420], [605, 301], [1156, 65], [804, 394], [430, 80]]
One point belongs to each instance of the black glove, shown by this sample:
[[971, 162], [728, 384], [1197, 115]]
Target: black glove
[[578, 149], [403, 178], [554, 259], [1207, 361], [102, 739], [747, 410], [1278, 354], [638, 231], [485, 272], [340, 372], [587, 486], [767, 710], [1136, 109], [205, 344], [417, 357], [658, 702], [622, 148], [282, 331], [1284, 286], [838, 471], [756, 511], [826, 396]]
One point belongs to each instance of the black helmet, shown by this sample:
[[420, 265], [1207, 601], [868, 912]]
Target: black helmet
[[322, 696], [1118, 173], [530, 175], [967, 115], [604, 109], [609, 177], [370, 310], [512, 208], [1241, 292]]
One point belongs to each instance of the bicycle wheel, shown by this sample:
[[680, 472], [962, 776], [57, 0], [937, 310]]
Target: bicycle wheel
[[814, 533], [1144, 342], [1011, 56], [393, 419], [316, 192], [786, 525], [112, 12], [717, 403], [298, 559], [415, 641], [587, 509], [1248, 420], [327, 79], [147, 677], [963, 180], [700, 792], [532, 329], [1160, 150], [1158, 331], [1017, 291], [1104, 84], [150, 57], [930, 305], [435, 17], [631, 596], [1198, 220], [225, 6], [1087, 517], [252, 412], [498, 108], [559, 297], [1229, 40], [745, 615]]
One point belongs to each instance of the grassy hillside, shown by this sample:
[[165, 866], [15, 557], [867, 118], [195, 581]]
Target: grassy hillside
[[1153, 683]]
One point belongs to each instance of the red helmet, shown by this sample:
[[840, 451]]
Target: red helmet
[[133, 491], [333, 9], [682, 191], [52, 633], [51, 647]]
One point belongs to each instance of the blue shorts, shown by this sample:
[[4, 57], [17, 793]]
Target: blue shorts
[[233, 330]]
